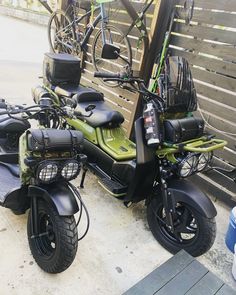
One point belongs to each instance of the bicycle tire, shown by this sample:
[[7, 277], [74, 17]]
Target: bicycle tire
[[66, 37], [108, 65]]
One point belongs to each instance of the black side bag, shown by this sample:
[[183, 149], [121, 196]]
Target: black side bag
[[41, 140], [178, 86], [180, 130]]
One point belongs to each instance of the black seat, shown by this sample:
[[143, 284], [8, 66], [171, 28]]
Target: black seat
[[82, 94], [102, 115], [9, 125]]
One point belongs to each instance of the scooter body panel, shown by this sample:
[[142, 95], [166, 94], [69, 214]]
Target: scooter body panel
[[59, 195], [138, 173], [115, 142], [9, 157], [141, 185], [17, 200], [112, 141], [185, 191], [88, 131]]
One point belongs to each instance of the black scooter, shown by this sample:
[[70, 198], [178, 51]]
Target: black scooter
[[39, 181]]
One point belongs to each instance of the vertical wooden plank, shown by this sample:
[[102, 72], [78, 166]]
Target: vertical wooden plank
[[159, 25], [62, 4]]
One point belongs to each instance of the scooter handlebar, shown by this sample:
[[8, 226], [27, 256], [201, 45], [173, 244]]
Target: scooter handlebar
[[107, 75]]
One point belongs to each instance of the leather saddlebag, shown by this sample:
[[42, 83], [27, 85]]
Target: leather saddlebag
[[53, 140], [180, 130]]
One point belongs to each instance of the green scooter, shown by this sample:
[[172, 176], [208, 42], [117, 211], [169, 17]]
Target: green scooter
[[169, 147]]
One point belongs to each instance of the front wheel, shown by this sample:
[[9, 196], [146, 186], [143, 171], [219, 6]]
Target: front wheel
[[192, 232], [55, 247]]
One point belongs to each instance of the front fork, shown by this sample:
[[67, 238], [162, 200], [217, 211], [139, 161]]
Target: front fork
[[34, 217], [169, 204]]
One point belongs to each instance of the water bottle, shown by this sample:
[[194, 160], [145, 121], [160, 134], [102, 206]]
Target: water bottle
[[230, 238], [234, 263]]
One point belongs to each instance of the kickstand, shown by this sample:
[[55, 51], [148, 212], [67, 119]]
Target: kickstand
[[85, 169]]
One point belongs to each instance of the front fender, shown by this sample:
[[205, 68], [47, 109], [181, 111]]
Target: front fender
[[185, 191], [57, 194]]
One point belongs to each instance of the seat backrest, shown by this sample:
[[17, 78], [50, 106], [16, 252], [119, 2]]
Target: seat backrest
[[88, 95]]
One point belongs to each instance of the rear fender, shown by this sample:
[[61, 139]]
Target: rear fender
[[58, 195]]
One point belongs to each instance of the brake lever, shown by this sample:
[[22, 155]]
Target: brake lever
[[113, 80], [133, 90]]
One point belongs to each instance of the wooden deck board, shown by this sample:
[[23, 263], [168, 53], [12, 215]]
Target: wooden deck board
[[161, 275], [181, 274], [209, 285], [185, 280], [226, 290]]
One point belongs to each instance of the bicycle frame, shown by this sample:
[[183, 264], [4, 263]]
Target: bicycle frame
[[157, 70], [102, 16], [153, 85], [137, 20]]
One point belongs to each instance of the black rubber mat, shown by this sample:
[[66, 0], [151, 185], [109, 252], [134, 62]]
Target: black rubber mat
[[7, 182]]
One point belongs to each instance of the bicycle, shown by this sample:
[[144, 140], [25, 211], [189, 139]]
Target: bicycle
[[188, 9], [138, 21], [66, 34]]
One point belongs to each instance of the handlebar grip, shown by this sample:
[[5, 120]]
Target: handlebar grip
[[77, 114], [106, 75]]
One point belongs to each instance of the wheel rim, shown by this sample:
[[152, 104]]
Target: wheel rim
[[61, 35], [46, 242], [186, 227]]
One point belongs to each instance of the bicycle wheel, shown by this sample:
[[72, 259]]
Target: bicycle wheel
[[61, 34], [115, 37]]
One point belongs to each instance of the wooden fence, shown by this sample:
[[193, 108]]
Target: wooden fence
[[209, 44], [122, 100]]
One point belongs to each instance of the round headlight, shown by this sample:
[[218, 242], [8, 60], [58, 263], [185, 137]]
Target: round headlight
[[70, 169], [203, 161], [47, 171], [187, 166]]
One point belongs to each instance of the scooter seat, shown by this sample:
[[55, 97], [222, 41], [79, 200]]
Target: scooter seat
[[102, 115], [8, 124], [81, 94]]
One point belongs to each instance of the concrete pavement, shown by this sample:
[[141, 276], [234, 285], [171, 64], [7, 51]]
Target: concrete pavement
[[119, 249]]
